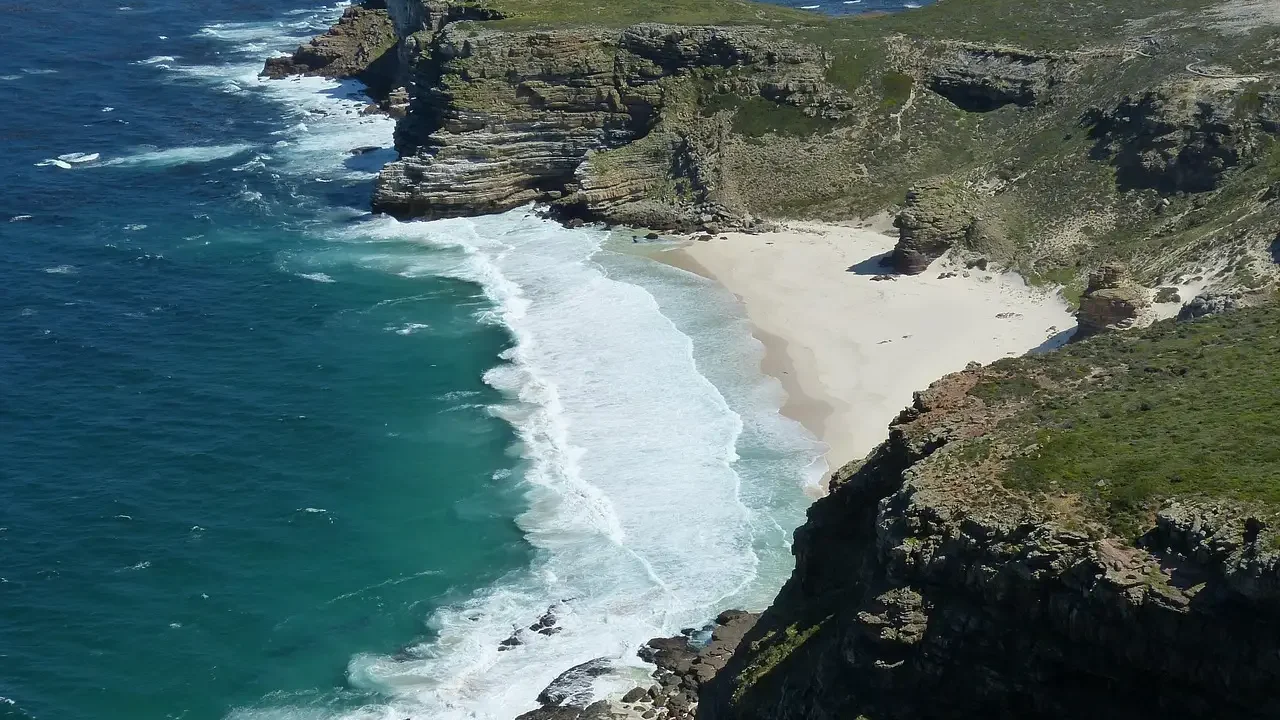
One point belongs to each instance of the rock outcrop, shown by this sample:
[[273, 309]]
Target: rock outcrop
[[361, 46], [506, 118], [978, 78], [937, 216], [1112, 301], [1207, 304], [1183, 138], [924, 589]]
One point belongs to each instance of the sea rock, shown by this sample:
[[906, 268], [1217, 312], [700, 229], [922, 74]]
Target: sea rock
[[1207, 304], [574, 687], [937, 216], [361, 45], [634, 695]]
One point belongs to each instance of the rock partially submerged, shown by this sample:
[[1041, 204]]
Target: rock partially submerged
[[360, 46]]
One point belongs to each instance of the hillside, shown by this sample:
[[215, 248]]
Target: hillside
[[1091, 532], [1047, 136], [1088, 532]]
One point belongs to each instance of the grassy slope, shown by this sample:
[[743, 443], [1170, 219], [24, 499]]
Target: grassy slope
[[1123, 422], [526, 14]]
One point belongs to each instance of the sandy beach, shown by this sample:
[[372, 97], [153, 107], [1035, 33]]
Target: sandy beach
[[851, 349]]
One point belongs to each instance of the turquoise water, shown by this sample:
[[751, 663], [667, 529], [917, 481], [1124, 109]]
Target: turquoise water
[[265, 455]]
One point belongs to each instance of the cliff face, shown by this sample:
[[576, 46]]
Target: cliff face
[[361, 45], [931, 583], [1052, 145], [502, 118]]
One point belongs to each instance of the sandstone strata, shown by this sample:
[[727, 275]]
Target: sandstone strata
[[981, 79], [1184, 137], [925, 590], [938, 215], [361, 46], [1112, 301], [505, 118]]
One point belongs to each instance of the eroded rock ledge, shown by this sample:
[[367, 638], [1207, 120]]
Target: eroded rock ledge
[[500, 119], [925, 589]]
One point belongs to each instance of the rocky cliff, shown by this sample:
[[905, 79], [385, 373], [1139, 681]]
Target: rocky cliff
[[1051, 145], [504, 118], [959, 572], [361, 46]]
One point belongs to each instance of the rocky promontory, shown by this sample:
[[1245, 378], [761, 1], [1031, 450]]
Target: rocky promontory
[[1091, 532], [360, 46], [1038, 538]]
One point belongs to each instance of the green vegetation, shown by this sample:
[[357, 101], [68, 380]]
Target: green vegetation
[[896, 87], [521, 14], [768, 652], [758, 117], [1123, 421]]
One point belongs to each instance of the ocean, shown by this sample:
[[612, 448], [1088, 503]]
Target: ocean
[[264, 455]]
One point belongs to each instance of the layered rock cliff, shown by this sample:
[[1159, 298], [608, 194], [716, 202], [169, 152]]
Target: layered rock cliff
[[1047, 150], [361, 46], [506, 118], [958, 573]]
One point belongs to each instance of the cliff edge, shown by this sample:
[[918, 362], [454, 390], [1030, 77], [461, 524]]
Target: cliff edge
[[1087, 533]]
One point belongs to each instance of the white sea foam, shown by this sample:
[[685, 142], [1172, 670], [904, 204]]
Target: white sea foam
[[316, 277], [409, 328], [156, 59], [20, 218], [633, 498], [640, 522], [61, 270], [180, 155]]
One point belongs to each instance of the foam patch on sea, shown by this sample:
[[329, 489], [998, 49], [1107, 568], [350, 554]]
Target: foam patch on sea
[[642, 514]]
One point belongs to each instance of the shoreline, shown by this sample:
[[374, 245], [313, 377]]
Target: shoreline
[[812, 410], [850, 341]]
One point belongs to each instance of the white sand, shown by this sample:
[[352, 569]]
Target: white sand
[[851, 350]]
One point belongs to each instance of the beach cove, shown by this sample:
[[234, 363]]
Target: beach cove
[[850, 340]]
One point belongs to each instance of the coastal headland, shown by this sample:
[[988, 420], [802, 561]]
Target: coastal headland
[[1088, 531]]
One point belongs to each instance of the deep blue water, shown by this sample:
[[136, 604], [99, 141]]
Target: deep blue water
[[264, 455]]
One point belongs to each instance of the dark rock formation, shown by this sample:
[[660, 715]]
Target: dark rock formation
[[1110, 302], [1160, 140], [1207, 304], [938, 215], [981, 79], [683, 668], [569, 696], [924, 591], [360, 46]]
